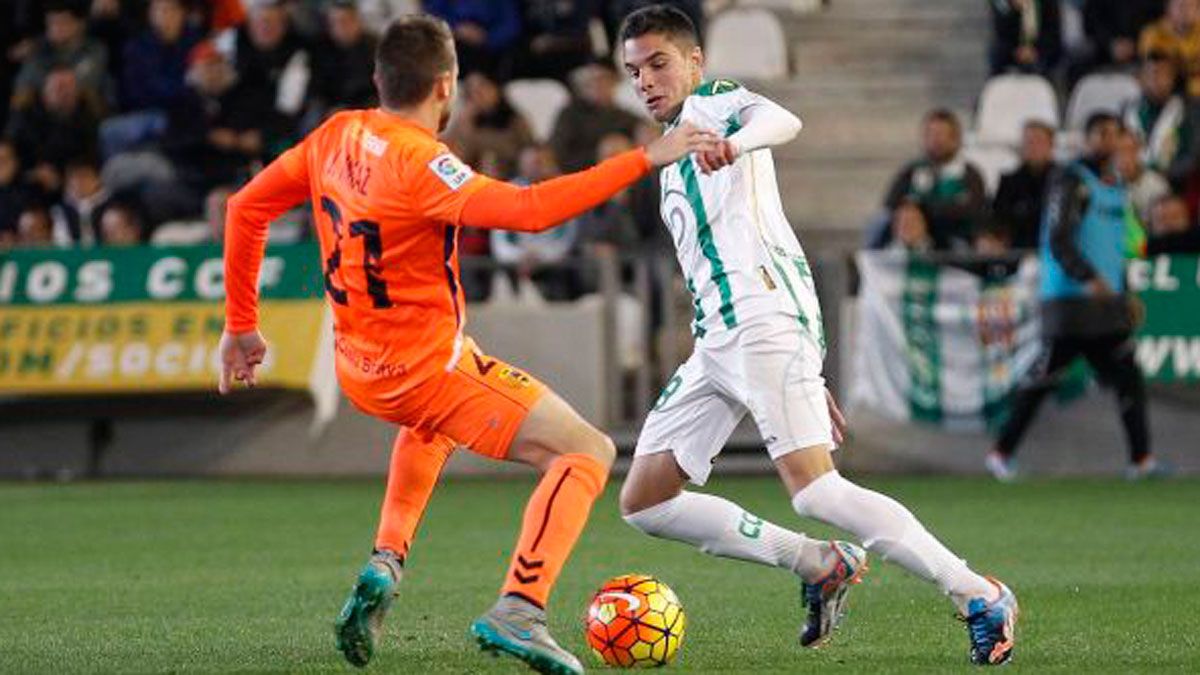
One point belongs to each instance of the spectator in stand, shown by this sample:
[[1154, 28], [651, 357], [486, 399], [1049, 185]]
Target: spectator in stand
[[1172, 229], [1165, 122], [487, 127], [591, 115], [156, 60], [34, 228], [153, 78], [557, 38], [121, 226], [113, 24], [538, 256], [342, 74], [948, 189], [272, 65], [1113, 27], [77, 217], [486, 33], [910, 229], [609, 226], [1021, 197], [212, 139], [1177, 35], [1026, 36], [65, 44], [58, 128], [14, 195], [1146, 186]]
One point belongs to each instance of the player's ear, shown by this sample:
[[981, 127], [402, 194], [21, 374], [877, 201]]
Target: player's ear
[[696, 58], [444, 86]]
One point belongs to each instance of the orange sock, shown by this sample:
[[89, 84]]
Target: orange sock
[[554, 519], [417, 461]]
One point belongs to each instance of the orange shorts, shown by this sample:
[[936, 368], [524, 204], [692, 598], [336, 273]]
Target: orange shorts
[[480, 404]]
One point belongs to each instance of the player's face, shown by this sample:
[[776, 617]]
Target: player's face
[[663, 72]]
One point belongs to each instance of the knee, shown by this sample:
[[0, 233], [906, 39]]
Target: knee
[[599, 447]]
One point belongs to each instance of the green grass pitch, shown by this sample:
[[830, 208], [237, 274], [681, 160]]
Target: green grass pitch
[[246, 577]]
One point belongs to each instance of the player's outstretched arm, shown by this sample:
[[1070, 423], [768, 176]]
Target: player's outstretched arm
[[765, 124], [277, 188], [541, 206]]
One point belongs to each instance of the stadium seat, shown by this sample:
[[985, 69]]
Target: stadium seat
[[539, 101], [1099, 92], [1008, 102], [730, 37], [992, 161]]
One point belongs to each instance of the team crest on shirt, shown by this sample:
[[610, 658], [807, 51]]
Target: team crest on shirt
[[514, 378], [450, 170]]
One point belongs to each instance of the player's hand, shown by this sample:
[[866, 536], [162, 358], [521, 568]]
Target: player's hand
[[836, 416], [241, 353], [724, 154], [680, 142]]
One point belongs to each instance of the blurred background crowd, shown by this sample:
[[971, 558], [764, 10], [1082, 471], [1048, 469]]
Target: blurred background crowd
[[1129, 71], [133, 120]]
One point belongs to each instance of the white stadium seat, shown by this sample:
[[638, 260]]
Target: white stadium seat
[[1100, 92], [539, 101], [746, 43], [1008, 102], [992, 161]]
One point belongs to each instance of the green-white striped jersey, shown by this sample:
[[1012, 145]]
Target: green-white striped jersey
[[740, 257]]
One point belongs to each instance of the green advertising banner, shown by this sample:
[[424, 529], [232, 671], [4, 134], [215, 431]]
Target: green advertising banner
[[147, 319], [1169, 339]]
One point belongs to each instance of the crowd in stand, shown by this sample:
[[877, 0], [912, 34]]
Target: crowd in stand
[[940, 202], [129, 117]]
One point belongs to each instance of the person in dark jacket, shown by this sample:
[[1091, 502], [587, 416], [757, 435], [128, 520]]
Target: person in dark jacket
[[486, 33], [557, 40], [591, 115], [1020, 199], [1085, 311], [948, 189], [1112, 28], [58, 128], [1026, 36], [156, 61], [342, 72]]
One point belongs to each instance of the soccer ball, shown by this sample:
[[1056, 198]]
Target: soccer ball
[[635, 621]]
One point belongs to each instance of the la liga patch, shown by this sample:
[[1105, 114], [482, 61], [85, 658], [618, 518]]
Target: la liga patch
[[451, 170]]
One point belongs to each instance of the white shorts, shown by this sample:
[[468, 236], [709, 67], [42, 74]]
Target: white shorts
[[771, 369]]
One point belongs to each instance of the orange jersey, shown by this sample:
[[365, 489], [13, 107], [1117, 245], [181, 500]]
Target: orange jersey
[[388, 200]]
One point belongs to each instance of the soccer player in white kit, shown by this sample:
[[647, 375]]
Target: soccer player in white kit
[[759, 348]]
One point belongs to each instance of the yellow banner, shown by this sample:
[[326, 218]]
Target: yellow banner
[[126, 347]]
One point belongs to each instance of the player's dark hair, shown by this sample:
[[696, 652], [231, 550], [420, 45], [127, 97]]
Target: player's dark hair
[[1099, 118], [413, 52], [660, 20], [1042, 126], [944, 115]]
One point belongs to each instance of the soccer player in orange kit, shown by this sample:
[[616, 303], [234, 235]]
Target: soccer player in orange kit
[[389, 200]]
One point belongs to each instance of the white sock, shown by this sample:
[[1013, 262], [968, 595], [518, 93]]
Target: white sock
[[892, 532], [719, 527]]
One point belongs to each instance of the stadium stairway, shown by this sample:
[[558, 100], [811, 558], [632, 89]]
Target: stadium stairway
[[864, 72]]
